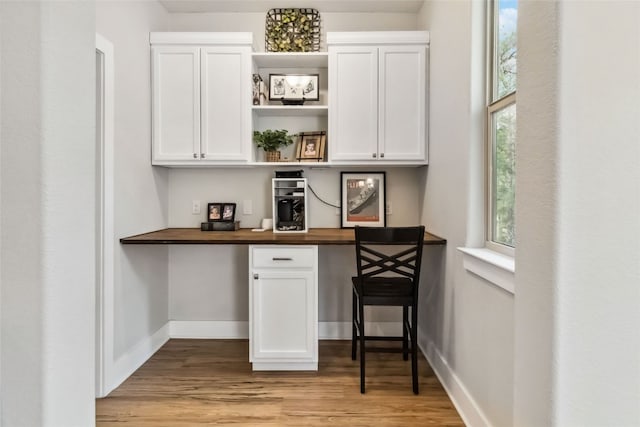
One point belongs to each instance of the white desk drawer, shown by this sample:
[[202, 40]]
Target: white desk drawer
[[283, 257]]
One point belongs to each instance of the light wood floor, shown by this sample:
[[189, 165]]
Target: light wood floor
[[195, 382]]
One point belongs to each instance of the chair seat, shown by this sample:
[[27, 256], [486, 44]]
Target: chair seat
[[384, 290]]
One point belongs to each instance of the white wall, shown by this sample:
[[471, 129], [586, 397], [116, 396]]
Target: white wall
[[47, 254], [578, 215], [210, 283], [1, 275], [140, 191], [565, 350], [537, 182], [466, 323], [255, 22]]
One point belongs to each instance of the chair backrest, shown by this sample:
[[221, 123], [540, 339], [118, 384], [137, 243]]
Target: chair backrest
[[389, 251]]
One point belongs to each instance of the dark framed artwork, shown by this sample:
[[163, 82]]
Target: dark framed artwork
[[220, 211], [311, 147], [363, 199], [294, 89]]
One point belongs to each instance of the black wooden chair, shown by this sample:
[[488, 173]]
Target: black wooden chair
[[388, 262]]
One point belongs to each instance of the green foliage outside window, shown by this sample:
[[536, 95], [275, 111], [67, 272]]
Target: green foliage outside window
[[502, 111], [504, 176], [507, 54]]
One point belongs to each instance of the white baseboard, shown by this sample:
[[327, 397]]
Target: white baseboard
[[467, 407], [129, 362], [342, 330], [309, 366], [218, 329], [208, 329]]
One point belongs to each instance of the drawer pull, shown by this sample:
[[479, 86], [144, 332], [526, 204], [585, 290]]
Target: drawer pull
[[282, 259]]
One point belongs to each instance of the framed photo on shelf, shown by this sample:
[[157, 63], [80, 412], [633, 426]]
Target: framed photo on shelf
[[363, 199], [294, 89], [311, 147], [219, 211]]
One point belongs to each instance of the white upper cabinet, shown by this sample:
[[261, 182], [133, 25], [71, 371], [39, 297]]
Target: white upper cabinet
[[378, 97], [201, 98], [176, 103], [353, 104], [225, 95], [402, 100], [373, 98]]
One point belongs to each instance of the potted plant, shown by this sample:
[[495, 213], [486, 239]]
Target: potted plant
[[270, 141]]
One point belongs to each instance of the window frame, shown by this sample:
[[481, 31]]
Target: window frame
[[494, 104]]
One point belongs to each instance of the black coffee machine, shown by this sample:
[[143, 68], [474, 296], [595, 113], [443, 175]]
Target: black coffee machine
[[285, 211]]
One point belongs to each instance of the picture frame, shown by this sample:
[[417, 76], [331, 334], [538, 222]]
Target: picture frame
[[363, 199], [214, 212], [221, 212], [294, 89], [259, 92], [311, 147]]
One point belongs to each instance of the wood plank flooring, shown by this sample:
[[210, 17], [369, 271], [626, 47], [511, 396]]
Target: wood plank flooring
[[199, 382]]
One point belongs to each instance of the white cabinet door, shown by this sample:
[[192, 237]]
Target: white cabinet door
[[226, 105], [283, 312], [353, 103], [283, 323], [176, 103], [201, 98], [378, 97], [402, 108]]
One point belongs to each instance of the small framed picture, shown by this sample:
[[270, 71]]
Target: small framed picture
[[221, 211], [294, 89], [311, 146], [363, 199], [214, 212], [229, 212]]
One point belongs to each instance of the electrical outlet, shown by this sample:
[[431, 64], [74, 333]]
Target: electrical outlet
[[247, 207], [195, 207], [388, 209], [337, 203]]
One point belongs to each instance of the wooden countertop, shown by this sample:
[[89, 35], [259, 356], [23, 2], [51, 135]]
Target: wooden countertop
[[193, 236]]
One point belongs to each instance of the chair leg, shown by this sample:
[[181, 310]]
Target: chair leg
[[354, 329], [414, 348], [405, 334], [362, 345]]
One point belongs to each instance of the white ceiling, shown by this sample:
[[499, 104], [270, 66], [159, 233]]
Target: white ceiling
[[245, 6]]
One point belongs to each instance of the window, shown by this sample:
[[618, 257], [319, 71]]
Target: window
[[501, 125]]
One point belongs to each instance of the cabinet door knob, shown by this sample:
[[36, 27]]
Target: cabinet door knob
[[373, 155], [195, 156], [255, 276], [202, 155], [381, 155]]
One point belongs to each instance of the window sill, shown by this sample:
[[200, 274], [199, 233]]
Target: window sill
[[492, 266]]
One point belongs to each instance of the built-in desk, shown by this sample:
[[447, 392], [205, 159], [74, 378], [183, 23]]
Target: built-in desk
[[283, 287], [193, 236]]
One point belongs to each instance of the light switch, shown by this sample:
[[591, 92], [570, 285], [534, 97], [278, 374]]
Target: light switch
[[247, 207], [195, 207]]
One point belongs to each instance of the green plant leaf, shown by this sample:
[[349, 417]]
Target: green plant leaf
[[272, 140]]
